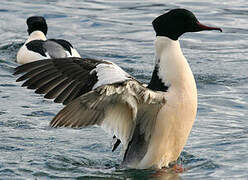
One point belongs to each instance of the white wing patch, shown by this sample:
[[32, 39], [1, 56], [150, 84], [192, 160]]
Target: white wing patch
[[109, 73]]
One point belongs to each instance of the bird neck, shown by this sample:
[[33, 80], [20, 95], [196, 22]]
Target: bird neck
[[172, 69], [36, 35]]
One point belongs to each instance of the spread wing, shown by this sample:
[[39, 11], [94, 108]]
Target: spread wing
[[60, 79], [96, 93]]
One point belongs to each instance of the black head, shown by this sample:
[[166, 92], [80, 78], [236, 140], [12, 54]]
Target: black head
[[176, 22], [37, 23]]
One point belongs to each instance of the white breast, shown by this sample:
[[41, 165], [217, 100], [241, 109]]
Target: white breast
[[175, 119]]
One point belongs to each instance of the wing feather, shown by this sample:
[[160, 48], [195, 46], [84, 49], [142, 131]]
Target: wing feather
[[66, 92], [96, 93], [30, 83], [45, 85], [33, 72], [31, 66], [53, 93], [63, 79], [114, 107]]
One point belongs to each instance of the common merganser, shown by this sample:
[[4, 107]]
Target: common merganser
[[153, 122], [38, 47]]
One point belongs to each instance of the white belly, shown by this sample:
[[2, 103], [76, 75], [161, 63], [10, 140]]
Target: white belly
[[173, 125]]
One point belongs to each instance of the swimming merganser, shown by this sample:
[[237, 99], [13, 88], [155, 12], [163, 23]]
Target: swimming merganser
[[38, 47], [153, 122]]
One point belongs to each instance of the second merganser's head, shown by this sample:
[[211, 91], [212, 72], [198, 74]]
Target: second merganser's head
[[37, 23]]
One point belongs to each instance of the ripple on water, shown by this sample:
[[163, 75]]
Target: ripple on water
[[122, 32], [38, 113], [8, 51]]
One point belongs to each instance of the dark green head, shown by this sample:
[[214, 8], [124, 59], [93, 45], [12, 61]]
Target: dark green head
[[37, 23], [176, 22]]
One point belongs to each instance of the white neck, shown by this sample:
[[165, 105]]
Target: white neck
[[173, 68], [36, 35]]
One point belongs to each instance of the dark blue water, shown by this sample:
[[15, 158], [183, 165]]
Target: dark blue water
[[121, 31]]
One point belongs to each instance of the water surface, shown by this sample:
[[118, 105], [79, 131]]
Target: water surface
[[121, 31]]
